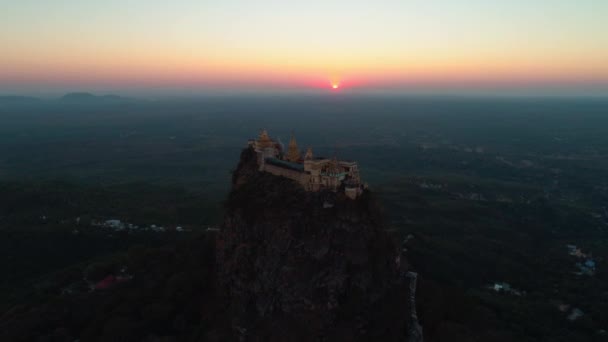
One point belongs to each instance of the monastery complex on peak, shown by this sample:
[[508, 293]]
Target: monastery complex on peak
[[314, 174]]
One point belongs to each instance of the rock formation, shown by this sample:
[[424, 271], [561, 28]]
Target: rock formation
[[308, 266]]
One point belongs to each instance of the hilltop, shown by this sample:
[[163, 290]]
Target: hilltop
[[299, 265]]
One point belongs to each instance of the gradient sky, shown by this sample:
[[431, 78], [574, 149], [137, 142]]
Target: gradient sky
[[229, 44]]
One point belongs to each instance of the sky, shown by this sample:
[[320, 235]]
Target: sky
[[203, 45]]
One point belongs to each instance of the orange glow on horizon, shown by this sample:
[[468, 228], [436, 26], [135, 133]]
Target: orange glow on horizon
[[140, 69], [212, 45]]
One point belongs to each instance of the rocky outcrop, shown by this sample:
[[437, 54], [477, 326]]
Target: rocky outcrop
[[305, 266]]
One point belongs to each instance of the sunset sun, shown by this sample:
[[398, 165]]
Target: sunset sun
[[335, 86]]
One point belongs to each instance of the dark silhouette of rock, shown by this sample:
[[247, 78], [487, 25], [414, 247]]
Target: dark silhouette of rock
[[298, 269]]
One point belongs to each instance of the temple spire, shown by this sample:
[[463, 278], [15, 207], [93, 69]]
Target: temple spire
[[264, 140], [293, 154], [264, 135], [308, 155]]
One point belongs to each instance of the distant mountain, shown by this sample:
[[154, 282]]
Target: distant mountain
[[15, 99], [78, 96], [84, 97]]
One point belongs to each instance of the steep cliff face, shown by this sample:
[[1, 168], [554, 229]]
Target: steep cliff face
[[306, 266]]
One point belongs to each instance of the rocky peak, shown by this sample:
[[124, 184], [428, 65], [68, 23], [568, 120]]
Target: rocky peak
[[300, 265]]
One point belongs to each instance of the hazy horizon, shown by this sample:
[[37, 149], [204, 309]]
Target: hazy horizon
[[547, 47], [202, 93]]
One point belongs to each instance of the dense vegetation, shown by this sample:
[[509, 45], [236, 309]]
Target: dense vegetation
[[45, 226], [492, 191], [170, 295]]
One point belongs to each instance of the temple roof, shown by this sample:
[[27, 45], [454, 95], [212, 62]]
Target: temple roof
[[285, 164]]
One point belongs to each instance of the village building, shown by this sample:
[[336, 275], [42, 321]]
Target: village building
[[313, 173]]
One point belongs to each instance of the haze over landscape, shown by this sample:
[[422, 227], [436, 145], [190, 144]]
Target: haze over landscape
[[315, 171]]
